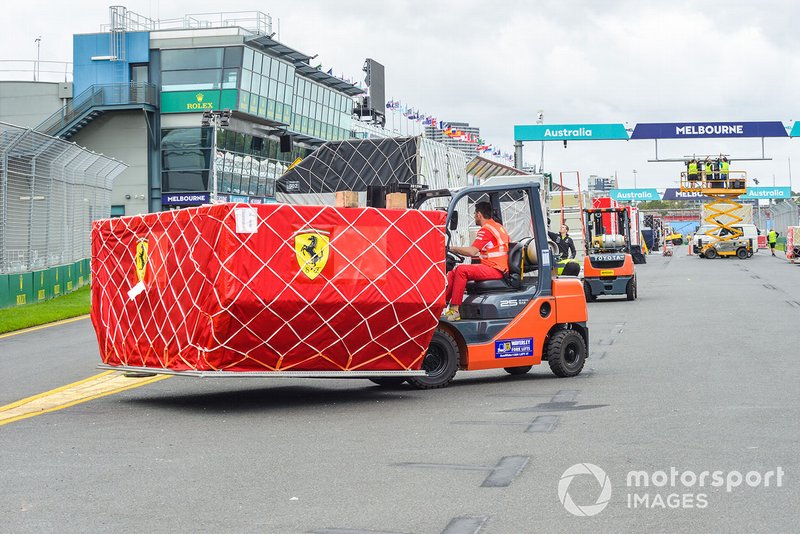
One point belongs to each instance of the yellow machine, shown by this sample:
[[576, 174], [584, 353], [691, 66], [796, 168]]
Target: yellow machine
[[723, 238], [670, 236]]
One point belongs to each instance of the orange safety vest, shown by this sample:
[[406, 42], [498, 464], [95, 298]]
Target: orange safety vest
[[496, 257]]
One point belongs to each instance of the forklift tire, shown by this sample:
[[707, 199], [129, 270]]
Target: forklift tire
[[631, 291], [677, 241], [741, 253], [587, 290], [440, 362], [566, 353], [514, 371], [389, 381], [711, 253]]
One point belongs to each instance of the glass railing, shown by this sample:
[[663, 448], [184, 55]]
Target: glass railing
[[115, 94]]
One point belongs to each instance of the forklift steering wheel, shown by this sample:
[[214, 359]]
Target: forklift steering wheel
[[455, 258], [452, 260]]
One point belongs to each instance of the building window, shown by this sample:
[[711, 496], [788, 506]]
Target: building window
[[118, 211], [185, 181], [191, 58], [185, 159], [233, 57], [189, 80]]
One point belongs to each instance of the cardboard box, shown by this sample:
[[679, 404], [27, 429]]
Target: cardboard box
[[346, 199], [397, 201]]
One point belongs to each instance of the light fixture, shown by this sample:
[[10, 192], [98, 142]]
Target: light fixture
[[104, 58]]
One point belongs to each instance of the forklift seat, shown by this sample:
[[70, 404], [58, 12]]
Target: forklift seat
[[512, 280]]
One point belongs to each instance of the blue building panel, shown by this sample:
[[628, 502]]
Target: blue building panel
[[88, 72]]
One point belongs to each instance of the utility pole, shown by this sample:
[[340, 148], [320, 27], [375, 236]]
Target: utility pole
[[540, 120], [215, 119], [38, 42]]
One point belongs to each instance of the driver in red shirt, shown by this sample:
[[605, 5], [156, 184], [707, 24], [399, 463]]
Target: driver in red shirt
[[491, 246]]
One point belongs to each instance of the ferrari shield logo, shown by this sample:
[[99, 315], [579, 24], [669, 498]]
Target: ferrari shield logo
[[311, 248], [141, 259]]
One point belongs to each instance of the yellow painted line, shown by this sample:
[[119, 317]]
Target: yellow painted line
[[99, 385], [48, 325]]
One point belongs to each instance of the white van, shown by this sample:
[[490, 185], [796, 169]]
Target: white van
[[749, 231]]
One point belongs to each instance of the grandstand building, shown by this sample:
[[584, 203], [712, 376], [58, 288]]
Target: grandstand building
[[140, 88]]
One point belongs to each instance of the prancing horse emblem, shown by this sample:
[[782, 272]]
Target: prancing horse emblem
[[140, 260], [312, 250]]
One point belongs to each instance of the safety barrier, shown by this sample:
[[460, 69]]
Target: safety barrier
[[37, 286]]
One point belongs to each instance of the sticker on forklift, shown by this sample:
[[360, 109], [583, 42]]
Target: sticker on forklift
[[607, 272], [546, 257], [513, 348]]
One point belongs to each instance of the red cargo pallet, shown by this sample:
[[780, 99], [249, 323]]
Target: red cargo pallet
[[236, 287]]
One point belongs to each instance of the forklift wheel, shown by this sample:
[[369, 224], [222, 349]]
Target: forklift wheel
[[677, 241], [587, 290], [711, 253], [389, 381], [741, 253], [566, 353], [441, 362], [518, 370], [631, 290]]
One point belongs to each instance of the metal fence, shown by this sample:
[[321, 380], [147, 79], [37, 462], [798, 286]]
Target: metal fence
[[50, 192], [780, 216]]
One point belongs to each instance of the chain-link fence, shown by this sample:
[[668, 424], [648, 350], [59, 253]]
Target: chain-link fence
[[780, 216], [50, 192]]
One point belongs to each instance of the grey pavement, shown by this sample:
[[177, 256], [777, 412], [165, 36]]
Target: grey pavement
[[698, 374]]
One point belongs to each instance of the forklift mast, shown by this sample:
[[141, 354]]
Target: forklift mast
[[600, 238]]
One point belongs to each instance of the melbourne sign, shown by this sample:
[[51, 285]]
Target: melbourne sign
[[767, 192], [623, 195], [674, 193], [185, 199], [693, 130], [569, 132], [198, 101]]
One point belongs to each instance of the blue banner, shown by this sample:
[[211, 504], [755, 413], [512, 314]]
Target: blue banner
[[185, 199], [693, 130], [626, 195], [674, 193], [755, 193], [795, 130], [569, 132]]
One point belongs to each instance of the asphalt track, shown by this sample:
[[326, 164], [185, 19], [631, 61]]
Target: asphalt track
[[699, 374]]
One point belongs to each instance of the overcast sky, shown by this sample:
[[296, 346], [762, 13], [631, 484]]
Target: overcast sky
[[495, 64]]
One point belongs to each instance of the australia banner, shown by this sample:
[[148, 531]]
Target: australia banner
[[569, 132], [693, 130], [767, 193], [627, 195]]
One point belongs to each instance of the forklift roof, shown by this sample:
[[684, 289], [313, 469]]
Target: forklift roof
[[605, 210]]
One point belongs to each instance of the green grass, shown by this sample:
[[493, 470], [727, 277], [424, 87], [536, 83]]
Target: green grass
[[70, 305]]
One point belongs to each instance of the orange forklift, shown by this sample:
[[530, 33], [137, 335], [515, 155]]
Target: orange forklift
[[526, 318], [608, 265]]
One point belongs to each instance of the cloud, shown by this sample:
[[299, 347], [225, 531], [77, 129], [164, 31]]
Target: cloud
[[496, 65]]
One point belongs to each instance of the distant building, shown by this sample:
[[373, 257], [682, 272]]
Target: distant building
[[461, 143], [598, 184]]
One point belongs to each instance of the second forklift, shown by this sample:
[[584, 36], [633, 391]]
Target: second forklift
[[608, 265]]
